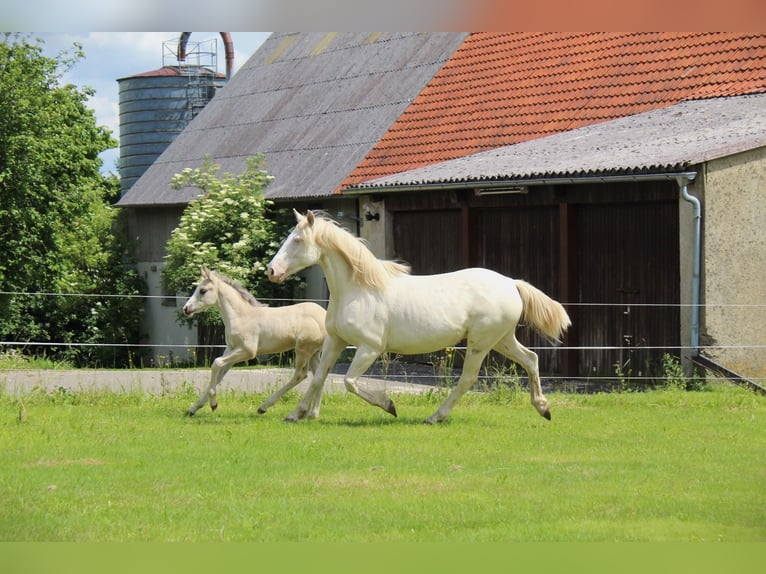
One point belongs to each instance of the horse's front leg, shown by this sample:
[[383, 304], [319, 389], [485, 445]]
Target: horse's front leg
[[308, 407], [363, 359], [218, 369]]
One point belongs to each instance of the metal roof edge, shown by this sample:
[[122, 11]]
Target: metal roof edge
[[357, 190]]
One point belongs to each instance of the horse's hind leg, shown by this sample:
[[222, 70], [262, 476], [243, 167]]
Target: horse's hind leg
[[301, 370], [511, 348], [309, 403], [471, 366]]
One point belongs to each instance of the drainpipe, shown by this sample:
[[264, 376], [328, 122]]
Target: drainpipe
[[683, 181]]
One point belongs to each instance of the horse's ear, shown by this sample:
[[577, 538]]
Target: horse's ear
[[205, 272], [298, 216], [310, 217]]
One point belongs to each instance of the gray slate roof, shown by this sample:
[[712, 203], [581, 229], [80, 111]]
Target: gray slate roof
[[313, 103], [659, 141]]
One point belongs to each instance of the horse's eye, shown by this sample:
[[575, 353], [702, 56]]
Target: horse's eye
[[297, 238], [202, 291]]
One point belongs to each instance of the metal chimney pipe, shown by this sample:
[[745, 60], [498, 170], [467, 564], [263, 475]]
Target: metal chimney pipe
[[228, 45]]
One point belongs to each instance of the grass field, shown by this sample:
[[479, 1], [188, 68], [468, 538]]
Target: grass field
[[655, 466]]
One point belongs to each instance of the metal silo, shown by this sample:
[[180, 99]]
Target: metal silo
[[156, 106]]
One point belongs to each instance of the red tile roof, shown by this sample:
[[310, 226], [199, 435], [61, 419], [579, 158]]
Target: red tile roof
[[504, 88]]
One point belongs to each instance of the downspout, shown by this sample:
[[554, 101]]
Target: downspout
[[683, 181]]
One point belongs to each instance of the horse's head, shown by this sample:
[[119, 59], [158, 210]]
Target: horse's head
[[298, 251], [204, 296]]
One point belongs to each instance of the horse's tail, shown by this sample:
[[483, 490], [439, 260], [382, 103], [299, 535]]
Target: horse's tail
[[542, 313]]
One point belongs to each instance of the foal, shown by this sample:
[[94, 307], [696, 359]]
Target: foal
[[253, 328]]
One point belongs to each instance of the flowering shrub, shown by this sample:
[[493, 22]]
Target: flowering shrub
[[231, 227]]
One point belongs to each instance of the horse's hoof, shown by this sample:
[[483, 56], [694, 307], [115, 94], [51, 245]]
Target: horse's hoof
[[213, 407], [261, 411], [190, 413], [547, 414], [430, 421], [391, 408], [290, 419]]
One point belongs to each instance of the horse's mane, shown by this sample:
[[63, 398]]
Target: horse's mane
[[367, 270], [244, 293]]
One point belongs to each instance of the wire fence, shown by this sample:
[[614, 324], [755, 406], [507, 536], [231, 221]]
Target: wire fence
[[438, 369], [321, 301]]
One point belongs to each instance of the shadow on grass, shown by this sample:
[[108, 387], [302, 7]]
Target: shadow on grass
[[381, 422]]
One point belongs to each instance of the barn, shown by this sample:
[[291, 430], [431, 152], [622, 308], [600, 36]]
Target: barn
[[620, 172], [608, 218]]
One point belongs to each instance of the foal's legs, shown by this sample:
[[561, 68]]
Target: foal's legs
[[308, 407], [363, 358], [302, 358], [473, 358], [511, 348], [219, 368]]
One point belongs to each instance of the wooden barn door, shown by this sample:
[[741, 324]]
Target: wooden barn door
[[428, 240], [522, 243], [628, 283]]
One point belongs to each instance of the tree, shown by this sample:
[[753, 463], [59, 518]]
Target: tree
[[231, 228], [58, 229]]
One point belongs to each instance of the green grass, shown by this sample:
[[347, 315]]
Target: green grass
[[654, 466]]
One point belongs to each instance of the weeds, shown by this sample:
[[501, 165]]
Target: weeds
[[674, 376], [506, 386], [444, 365], [13, 359], [624, 373]]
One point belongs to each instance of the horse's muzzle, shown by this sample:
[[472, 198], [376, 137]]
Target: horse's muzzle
[[275, 276]]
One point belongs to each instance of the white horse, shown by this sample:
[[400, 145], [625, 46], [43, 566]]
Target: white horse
[[253, 328], [378, 306]]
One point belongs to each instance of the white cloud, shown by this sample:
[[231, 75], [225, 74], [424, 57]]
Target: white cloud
[[107, 111]]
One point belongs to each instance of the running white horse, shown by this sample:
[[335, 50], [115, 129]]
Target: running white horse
[[253, 328], [378, 306]]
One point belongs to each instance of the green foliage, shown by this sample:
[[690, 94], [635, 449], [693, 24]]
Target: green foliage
[[674, 377], [58, 230], [231, 228]]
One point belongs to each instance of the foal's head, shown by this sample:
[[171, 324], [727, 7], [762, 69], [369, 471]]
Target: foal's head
[[204, 296]]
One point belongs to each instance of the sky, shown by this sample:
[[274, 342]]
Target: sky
[[113, 55]]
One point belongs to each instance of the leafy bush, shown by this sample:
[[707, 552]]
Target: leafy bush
[[231, 228]]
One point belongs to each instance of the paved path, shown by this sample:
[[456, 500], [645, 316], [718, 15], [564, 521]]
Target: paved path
[[157, 381]]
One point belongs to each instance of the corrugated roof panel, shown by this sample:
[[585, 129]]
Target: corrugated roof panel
[[667, 139], [314, 117]]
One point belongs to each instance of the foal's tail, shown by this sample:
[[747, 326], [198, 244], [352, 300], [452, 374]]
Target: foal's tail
[[542, 313]]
